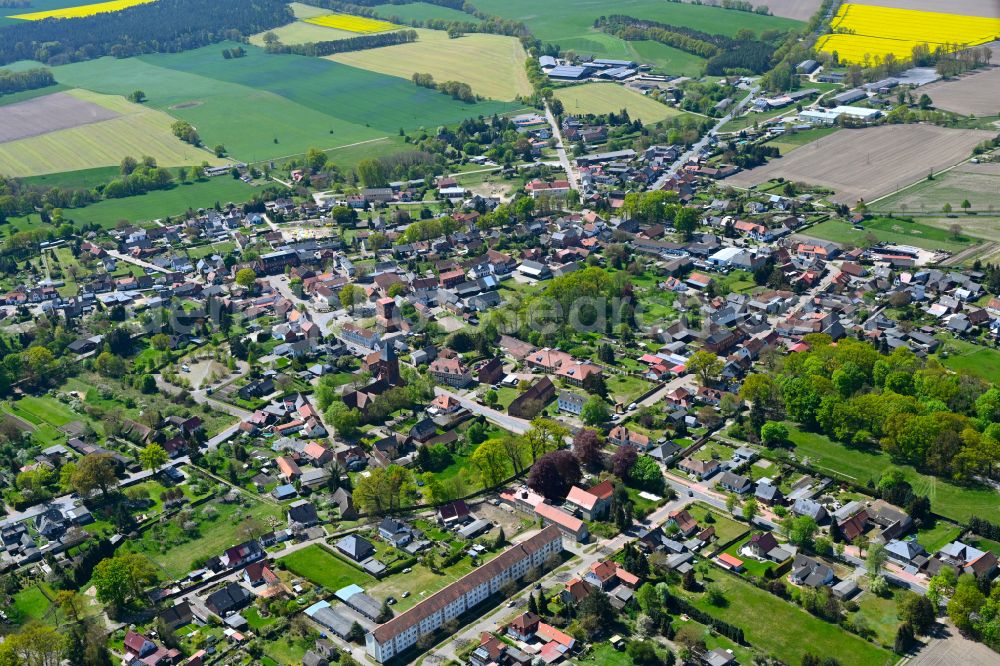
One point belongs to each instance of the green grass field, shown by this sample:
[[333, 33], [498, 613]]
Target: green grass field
[[570, 23], [783, 630], [267, 106], [880, 615], [421, 11], [666, 59], [934, 538], [153, 205], [138, 131], [612, 98], [980, 188], [319, 566], [492, 64], [893, 231], [726, 528], [860, 466], [300, 32], [88, 178]]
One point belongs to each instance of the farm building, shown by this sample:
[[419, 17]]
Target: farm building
[[570, 73]]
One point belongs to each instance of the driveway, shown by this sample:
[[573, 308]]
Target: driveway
[[505, 421]]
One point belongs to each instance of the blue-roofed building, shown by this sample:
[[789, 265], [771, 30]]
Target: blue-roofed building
[[346, 593], [570, 73], [284, 492]]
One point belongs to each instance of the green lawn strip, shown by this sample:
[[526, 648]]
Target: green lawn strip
[[861, 465], [323, 568], [32, 603], [935, 538], [781, 629], [893, 230], [626, 388]]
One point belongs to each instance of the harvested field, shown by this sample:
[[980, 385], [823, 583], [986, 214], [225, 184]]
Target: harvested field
[[49, 113], [132, 129], [986, 8], [492, 64], [800, 10], [977, 93], [869, 163], [977, 183]]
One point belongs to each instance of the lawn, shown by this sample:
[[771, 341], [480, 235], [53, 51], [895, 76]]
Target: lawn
[[138, 130], [323, 568], [266, 106], [570, 23], [726, 528], [750, 565], [32, 602], [604, 654], [88, 178], [880, 615], [982, 543], [892, 231], [601, 98], [861, 465], [699, 632], [783, 630], [492, 64], [667, 59], [973, 359], [626, 388], [981, 188], [420, 583], [935, 538]]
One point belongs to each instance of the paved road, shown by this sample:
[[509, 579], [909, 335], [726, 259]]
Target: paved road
[[132, 260], [696, 148], [505, 421], [561, 149]]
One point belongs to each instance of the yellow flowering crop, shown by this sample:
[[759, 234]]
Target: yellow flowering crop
[[860, 30], [360, 24], [82, 10]]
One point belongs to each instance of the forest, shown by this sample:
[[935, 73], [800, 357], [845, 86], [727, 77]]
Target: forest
[[158, 27], [912, 408], [487, 24], [28, 79], [724, 54]]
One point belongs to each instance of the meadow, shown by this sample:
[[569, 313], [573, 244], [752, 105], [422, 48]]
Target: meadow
[[264, 106], [861, 465], [570, 23], [492, 64], [612, 98], [959, 355], [136, 131], [977, 183], [790, 141], [890, 230], [81, 11], [666, 59], [866, 31], [782, 629]]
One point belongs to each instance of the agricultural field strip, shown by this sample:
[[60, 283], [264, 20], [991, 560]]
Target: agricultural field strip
[[81, 10], [135, 130], [492, 65], [600, 98], [350, 23], [50, 113], [865, 30], [870, 163]]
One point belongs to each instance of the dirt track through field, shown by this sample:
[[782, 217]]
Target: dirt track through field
[[49, 113], [869, 163]]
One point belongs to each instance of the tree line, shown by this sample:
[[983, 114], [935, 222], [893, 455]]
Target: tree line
[[744, 52], [29, 79], [359, 43], [913, 409], [165, 26]]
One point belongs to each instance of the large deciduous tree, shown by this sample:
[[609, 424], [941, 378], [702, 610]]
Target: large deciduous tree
[[554, 474]]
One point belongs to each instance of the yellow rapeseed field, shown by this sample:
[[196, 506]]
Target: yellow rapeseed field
[[860, 30], [83, 10], [359, 24]]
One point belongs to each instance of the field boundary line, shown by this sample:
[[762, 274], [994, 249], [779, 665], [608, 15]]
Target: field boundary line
[[325, 150], [917, 182]]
